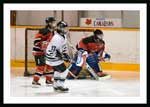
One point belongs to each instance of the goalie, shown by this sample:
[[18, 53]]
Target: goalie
[[90, 51]]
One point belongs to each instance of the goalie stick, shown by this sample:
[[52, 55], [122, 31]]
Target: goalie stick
[[76, 77], [91, 71]]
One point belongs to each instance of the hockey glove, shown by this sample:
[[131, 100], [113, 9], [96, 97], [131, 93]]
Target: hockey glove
[[105, 57], [66, 57]]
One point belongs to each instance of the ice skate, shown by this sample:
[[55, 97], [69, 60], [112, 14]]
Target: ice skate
[[61, 89], [59, 86], [49, 82], [103, 76], [36, 84]]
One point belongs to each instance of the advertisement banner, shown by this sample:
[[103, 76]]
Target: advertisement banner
[[100, 22]]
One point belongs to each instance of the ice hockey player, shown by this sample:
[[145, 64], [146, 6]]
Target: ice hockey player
[[56, 54], [41, 40], [90, 51]]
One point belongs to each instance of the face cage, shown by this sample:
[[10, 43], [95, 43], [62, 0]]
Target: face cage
[[63, 30], [100, 36]]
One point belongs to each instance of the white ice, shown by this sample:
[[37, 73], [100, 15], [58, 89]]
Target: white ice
[[114, 87]]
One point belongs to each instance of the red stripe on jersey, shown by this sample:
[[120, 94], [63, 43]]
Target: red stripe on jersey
[[41, 44]]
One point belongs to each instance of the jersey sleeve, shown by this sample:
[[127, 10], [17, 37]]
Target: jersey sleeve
[[37, 40], [37, 45]]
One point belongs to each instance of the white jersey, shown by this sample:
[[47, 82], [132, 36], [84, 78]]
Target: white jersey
[[57, 44]]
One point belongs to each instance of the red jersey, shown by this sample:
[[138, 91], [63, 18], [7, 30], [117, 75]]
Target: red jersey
[[90, 45], [41, 40]]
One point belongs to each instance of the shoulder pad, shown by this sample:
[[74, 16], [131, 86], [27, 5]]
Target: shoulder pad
[[44, 31]]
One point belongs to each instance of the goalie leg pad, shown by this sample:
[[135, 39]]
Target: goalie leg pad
[[81, 58], [75, 70], [93, 62]]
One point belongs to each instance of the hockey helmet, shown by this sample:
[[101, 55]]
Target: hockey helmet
[[49, 20], [61, 27], [98, 33], [50, 23]]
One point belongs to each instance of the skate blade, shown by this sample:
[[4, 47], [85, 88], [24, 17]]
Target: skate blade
[[59, 91], [49, 85], [36, 86], [105, 77]]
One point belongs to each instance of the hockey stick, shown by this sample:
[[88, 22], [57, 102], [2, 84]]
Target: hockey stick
[[91, 71], [76, 77]]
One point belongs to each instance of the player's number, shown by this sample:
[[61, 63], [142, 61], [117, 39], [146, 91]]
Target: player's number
[[52, 51]]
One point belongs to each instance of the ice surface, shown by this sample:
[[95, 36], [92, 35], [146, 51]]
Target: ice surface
[[114, 87]]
